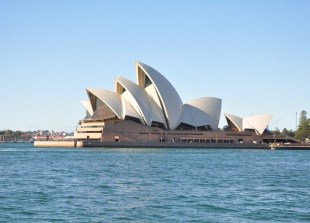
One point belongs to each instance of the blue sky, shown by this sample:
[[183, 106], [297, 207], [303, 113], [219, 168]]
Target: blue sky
[[254, 55]]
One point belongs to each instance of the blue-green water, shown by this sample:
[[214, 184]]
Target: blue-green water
[[153, 185]]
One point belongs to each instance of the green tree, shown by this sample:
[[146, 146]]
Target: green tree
[[303, 130], [18, 133], [289, 133], [8, 132], [276, 132]]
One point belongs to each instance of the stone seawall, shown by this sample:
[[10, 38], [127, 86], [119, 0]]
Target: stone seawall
[[175, 145]]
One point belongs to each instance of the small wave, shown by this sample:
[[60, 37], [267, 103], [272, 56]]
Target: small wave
[[212, 207], [18, 150]]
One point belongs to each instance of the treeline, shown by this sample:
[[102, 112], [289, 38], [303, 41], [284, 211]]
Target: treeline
[[12, 136], [284, 132], [10, 133]]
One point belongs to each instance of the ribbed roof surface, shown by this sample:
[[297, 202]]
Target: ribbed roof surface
[[169, 98], [153, 100], [110, 98]]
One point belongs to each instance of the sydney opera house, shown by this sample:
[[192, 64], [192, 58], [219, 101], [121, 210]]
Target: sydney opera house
[[150, 110]]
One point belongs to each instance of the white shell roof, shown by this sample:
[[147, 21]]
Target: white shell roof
[[88, 107], [237, 121], [169, 98], [202, 111], [194, 116], [211, 107], [128, 109], [257, 122], [148, 109], [110, 98]]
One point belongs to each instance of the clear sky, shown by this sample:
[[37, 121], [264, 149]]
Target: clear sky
[[254, 55]]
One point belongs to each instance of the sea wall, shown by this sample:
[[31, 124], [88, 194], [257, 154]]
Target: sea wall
[[175, 145]]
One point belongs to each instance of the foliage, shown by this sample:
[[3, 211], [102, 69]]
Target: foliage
[[284, 133], [289, 133], [10, 133], [276, 132], [303, 130]]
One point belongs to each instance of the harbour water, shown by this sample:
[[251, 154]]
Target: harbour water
[[153, 185]]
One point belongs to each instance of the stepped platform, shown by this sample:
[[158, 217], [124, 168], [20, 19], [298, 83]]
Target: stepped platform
[[59, 144]]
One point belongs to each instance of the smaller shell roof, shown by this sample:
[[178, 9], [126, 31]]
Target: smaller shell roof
[[237, 121], [210, 106], [150, 111], [88, 107], [193, 116], [202, 111], [110, 98], [257, 122]]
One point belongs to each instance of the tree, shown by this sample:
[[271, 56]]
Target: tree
[[289, 133], [8, 132], [303, 130], [303, 117], [276, 132]]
